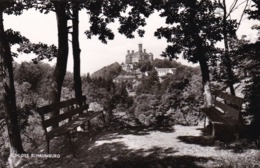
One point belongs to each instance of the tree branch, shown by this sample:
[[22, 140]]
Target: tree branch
[[236, 7], [241, 18]]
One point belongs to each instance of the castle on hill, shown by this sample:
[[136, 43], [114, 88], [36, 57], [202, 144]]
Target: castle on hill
[[133, 58], [139, 56]]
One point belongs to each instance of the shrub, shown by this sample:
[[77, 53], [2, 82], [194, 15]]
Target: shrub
[[231, 162], [32, 134]]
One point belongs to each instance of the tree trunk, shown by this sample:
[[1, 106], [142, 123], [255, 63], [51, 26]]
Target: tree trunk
[[76, 50], [7, 80], [206, 82], [201, 56], [226, 59], [62, 58]]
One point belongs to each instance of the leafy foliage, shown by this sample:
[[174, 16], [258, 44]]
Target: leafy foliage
[[18, 6], [41, 50], [149, 84], [165, 63], [37, 75], [254, 13], [175, 97], [192, 29], [107, 94], [144, 66], [14, 37], [104, 12], [249, 55]]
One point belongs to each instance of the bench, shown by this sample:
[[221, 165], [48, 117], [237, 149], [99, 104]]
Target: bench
[[226, 110], [72, 114]]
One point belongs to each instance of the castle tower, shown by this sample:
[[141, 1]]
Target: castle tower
[[139, 56], [140, 48], [128, 57]]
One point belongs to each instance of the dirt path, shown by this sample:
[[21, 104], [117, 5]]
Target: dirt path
[[183, 141], [179, 146]]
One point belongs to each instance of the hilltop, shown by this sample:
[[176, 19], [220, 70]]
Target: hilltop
[[108, 72], [115, 69]]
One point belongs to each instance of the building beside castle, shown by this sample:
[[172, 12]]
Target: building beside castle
[[164, 71], [139, 56]]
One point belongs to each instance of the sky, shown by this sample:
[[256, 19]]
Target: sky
[[94, 54]]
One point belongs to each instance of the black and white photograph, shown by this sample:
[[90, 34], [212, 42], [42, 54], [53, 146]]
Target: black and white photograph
[[129, 83]]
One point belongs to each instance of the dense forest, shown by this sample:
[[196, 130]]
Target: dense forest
[[193, 29]]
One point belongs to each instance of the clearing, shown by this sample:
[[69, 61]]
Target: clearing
[[139, 147]]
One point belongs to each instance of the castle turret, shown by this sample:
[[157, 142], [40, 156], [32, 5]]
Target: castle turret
[[151, 57], [140, 48]]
